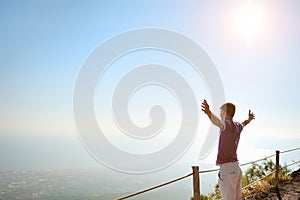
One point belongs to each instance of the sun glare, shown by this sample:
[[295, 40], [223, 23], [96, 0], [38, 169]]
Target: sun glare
[[249, 20]]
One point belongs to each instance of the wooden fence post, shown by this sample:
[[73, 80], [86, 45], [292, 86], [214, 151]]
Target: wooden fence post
[[277, 169], [196, 182]]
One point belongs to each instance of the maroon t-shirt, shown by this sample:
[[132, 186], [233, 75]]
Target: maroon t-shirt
[[228, 142]]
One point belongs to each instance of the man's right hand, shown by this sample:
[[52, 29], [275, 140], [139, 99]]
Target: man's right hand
[[205, 108]]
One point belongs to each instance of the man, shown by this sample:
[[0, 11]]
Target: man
[[230, 175]]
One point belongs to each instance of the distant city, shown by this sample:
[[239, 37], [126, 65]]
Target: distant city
[[57, 184], [90, 184], [74, 174]]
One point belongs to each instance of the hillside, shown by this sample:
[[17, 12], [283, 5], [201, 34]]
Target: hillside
[[289, 190]]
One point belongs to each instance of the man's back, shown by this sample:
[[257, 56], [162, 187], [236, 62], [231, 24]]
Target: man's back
[[228, 142]]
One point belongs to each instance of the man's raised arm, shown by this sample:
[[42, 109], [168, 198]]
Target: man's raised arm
[[250, 118], [214, 119]]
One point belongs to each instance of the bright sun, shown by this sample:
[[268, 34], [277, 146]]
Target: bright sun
[[249, 20]]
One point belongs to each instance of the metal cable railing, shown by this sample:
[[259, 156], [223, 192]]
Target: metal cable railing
[[290, 150], [155, 187], [292, 164], [251, 162], [212, 170]]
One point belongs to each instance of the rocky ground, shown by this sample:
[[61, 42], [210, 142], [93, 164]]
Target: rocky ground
[[288, 190]]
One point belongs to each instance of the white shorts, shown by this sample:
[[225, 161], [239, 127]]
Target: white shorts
[[230, 181]]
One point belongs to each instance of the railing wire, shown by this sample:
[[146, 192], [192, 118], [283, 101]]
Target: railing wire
[[290, 150], [212, 170], [155, 187], [251, 162]]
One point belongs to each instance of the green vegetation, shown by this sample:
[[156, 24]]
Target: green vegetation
[[256, 172], [202, 197]]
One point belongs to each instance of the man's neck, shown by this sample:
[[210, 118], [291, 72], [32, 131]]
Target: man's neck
[[228, 118]]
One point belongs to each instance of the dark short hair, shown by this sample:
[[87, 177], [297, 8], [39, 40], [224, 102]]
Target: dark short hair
[[229, 109]]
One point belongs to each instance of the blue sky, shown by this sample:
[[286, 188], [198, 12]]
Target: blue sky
[[44, 43]]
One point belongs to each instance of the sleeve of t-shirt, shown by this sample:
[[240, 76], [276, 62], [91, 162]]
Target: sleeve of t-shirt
[[240, 126]]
